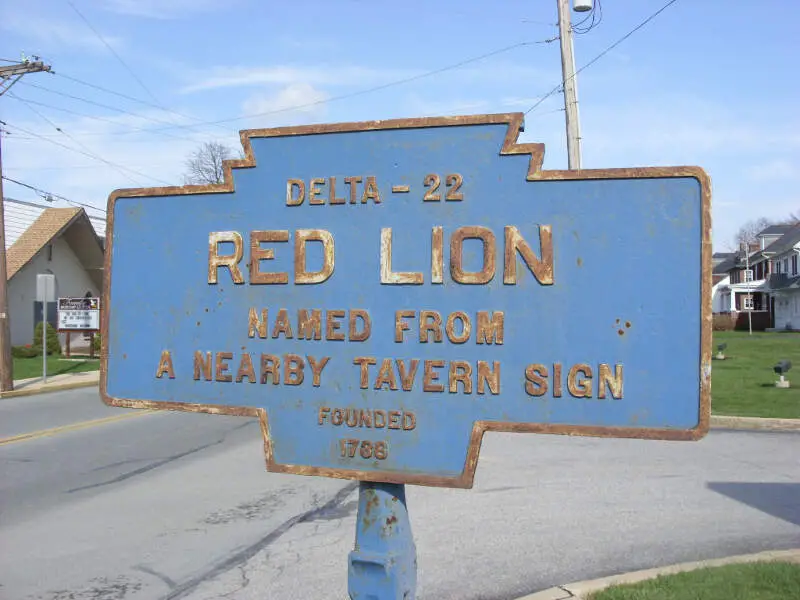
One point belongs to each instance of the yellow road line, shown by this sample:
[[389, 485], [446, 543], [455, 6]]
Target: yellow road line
[[72, 427]]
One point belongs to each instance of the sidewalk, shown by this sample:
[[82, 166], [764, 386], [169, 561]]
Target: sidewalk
[[65, 381]]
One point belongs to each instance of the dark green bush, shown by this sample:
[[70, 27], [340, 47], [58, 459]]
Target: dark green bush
[[26, 351], [53, 343]]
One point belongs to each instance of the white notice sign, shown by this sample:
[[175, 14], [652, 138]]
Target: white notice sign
[[79, 313]]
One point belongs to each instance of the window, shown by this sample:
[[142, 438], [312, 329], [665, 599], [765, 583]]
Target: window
[[786, 265], [777, 266], [747, 303], [794, 264], [748, 275]]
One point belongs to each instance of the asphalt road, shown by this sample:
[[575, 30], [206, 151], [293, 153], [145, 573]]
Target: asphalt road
[[170, 505]]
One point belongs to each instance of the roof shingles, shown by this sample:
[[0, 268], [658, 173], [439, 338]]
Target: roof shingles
[[49, 224]]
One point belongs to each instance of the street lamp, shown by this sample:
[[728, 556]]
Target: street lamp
[[582, 5]]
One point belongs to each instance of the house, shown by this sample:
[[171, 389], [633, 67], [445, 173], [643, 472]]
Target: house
[[784, 282], [63, 242], [720, 280]]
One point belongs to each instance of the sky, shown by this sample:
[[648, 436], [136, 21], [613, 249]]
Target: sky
[[709, 83]]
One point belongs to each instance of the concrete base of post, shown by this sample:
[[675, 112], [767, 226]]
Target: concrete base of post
[[782, 383], [383, 565]]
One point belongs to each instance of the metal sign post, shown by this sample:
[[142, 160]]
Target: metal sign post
[[380, 294], [45, 293]]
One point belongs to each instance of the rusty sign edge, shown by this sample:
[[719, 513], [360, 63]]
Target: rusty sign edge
[[515, 122]]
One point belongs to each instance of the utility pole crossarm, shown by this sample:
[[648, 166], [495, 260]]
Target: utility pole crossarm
[[22, 68]]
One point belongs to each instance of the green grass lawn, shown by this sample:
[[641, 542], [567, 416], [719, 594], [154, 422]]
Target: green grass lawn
[[744, 383], [25, 368], [753, 581]]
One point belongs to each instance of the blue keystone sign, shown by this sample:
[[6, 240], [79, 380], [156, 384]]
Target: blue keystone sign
[[380, 294]]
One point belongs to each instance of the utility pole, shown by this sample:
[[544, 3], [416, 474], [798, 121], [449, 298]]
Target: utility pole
[[570, 85], [9, 75]]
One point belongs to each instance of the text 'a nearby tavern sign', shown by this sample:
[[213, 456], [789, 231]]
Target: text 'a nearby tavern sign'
[[380, 294]]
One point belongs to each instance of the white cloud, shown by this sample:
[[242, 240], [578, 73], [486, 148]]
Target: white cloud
[[165, 9], [774, 169], [241, 76], [295, 103], [51, 33]]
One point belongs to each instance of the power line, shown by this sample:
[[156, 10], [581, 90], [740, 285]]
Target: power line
[[81, 144], [46, 139], [603, 53], [366, 90], [45, 193], [117, 56], [132, 98], [86, 116], [108, 107]]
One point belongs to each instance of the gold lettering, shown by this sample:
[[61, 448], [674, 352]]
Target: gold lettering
[[282, 325], [222, 366], [323, 414], [353, 183], [316, 368], [332, 325], [291, 199], [557, 385], [490, 329], [246, 369], [386, 375], [309, 327], [437, 255], [293, 369], [614, 382], [364, 362], [270, 365], [165, 365], [332, 198], [400, 325], [394, 419], [536, 376], [371, 191], [488, 376], [215, 260], [541, 269], [387, 276], [365, 419], [355, 334], [257, 254], [202, 365], [409, 421], [337, 418], [430, 321], [254, 325], [430, 376], [302, 236], [314, 191], [407, 378], [379, 423], [466, 327], [580, 388], [486, 273], [460, 370]]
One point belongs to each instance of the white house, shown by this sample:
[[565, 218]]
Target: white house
[[62, 242], [785, 280]]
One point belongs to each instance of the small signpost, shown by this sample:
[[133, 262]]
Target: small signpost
[[79, 315], [380, 294]]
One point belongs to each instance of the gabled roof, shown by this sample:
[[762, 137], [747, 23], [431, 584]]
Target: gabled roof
[[786, 241], [726, 265], [777, 229], [74, 224]]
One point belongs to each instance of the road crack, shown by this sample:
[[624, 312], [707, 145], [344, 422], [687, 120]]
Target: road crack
[[242, 556]]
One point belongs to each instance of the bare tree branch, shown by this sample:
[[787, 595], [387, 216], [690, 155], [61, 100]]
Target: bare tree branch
[[205, 164], [747, 233]]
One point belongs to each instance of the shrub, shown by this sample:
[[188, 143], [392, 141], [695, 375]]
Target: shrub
[[96, 344], [723, 322], [26, 351], [53, 343]]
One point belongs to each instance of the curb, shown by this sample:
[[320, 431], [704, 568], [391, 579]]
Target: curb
[[582, 589], [56, 387], [754, 423]]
